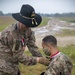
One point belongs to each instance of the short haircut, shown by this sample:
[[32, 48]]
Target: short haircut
[[50, 40]]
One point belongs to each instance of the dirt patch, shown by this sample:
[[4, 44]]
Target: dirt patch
[[55, 26]]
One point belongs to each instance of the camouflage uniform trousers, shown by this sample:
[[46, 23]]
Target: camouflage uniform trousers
[[3, 73]]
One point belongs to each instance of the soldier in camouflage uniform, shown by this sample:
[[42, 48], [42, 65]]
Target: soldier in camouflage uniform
[[60, 64], [15, 38]]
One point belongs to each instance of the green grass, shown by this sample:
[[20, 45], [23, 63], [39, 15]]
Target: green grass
[[6, 21], [44, 21], [68, 19], [37, 69], [66, 32], [68, 50], [31, 70]]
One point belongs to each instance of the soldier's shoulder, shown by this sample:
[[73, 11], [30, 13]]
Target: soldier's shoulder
[[31, 31], [61, 59], [8, 30], [58, 59], [64, 57]]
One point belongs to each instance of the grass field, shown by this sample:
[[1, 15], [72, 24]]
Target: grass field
[[6, 21], [44, 21], [37, 69], [66, 32], [68, 19]]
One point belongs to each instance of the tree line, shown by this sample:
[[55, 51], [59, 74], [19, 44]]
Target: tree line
[[71, 14]]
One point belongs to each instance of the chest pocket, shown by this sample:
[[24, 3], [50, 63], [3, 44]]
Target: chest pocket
[[16, 45], [19, 44]]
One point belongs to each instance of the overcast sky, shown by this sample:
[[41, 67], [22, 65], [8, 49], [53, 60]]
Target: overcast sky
[[41, 6]]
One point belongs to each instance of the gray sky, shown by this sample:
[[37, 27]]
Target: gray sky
[[41, 6]]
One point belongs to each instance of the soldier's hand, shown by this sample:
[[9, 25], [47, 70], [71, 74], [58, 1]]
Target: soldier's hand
[[43, 60]]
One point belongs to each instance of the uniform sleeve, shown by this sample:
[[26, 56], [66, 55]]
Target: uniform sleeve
[[51, 71], [32, 47], [26, 60]]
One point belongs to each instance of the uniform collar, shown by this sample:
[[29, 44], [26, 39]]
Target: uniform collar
[[17, 28], [54, 55]]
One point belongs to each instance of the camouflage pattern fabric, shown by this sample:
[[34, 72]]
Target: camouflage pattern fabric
[[2, 73], [59, 65], [12, 45]]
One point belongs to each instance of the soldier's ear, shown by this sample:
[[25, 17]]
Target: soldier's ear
[[49, 46], [43, 44]]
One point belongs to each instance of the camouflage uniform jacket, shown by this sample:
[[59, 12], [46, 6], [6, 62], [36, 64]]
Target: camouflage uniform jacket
[[59, 65], [12, 43]]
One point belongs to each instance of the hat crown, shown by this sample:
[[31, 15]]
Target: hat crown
[[27, 11], [27, 16]]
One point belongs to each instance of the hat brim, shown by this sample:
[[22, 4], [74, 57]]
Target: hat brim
[[27, 22]]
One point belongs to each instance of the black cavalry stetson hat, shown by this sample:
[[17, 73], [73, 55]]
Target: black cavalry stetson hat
[[27, 16]]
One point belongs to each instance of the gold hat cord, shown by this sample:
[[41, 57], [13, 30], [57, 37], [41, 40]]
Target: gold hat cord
[[33, 19]]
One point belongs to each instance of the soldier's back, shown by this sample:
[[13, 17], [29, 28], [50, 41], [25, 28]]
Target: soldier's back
[[60, 65]]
